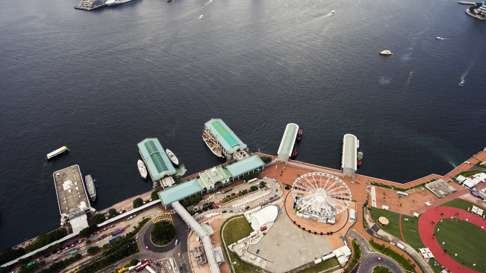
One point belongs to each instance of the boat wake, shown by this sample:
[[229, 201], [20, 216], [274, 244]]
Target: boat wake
[[329, 14], [410, 77], [383, 80], [462, 81], [208, 3]]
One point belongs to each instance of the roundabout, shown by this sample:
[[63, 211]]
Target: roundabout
[[439, 230]]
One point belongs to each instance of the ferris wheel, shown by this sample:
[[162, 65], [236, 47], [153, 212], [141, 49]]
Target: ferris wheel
[[317, 191]]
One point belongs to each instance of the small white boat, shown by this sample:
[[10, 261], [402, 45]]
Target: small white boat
[[116, 2], [57, 152], [386, 52], [440, 38], [333, 12], [142, 169], [461, 83], [173, 158]]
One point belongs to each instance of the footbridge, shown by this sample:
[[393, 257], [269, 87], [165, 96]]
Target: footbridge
[[202, 233]]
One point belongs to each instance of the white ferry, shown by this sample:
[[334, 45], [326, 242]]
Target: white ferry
[[90, 187], [173, 158], [116, 2], [212, 143], [57, 152], [142, 169]]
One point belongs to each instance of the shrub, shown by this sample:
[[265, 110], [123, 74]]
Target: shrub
[[163, 232], [137, 202]]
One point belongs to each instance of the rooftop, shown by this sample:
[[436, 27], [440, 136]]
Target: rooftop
[[209, 178], [157, 162], [225, 136], [350, 152], [179, 191], [71, 193], [288, 141], [245, 165]]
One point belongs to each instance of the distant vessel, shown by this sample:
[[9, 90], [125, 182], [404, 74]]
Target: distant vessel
[[90, 187], [440, 38], [142, 169], [173, 158], [57, 152], [116, 2], [461, 83], [469, 3], [300, 134], [386, 52]]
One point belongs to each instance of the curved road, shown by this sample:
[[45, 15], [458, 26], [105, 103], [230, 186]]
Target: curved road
[[182, 232], [370, 258]]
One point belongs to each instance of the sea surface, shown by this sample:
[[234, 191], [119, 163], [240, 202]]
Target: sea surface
[[99, 82]]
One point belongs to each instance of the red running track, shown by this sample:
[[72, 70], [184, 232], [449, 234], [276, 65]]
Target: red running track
[[427, 225]]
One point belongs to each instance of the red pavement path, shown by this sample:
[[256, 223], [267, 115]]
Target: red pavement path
[[427, 225]]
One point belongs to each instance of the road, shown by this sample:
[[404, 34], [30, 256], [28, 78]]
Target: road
[[370, 258]]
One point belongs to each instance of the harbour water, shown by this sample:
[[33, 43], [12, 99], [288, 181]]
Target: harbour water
[[99, 82]]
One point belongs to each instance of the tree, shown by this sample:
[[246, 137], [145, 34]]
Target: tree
[[92, 250], [112, 213], [98, 218], [155, 195], [86, 232], [137, 202], [262, 184], [163, 232]]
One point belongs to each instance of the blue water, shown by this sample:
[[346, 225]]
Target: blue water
[[100, 82]]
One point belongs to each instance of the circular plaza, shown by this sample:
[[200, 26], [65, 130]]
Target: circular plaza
[[318, 202]]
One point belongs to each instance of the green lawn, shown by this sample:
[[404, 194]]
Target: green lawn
[[465, 239], [459, 203], [233, 230], [410, 231], [321, 267], [393, 227], [381, 269], [435, 265]]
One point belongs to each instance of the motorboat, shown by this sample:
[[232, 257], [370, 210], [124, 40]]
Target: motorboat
[[173, 158], [386, 52], [142, 169]]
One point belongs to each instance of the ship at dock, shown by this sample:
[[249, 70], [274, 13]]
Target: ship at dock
[[172, 157], [222, 141], [142, 169], [109, 3], [90, 187]]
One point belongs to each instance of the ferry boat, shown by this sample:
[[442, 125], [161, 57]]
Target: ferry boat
[[57, 152], [173, 158], [116, 2], [212, 144], [142, 169], [300, 134], [386, 52], [90, 187], [478, 11]]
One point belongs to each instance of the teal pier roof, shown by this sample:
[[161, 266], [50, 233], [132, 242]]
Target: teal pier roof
[[288, 141], [179, 192], [225, 136], [245, 165], [157, 162]]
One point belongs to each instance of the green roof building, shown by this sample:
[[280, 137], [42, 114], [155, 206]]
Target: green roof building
[[157, 162], [224, 135], [245, 166], [179, 192]]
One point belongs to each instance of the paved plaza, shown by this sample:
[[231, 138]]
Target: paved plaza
[[285, 246]]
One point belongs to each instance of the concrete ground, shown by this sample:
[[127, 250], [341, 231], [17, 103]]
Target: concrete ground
[[286, 247]]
